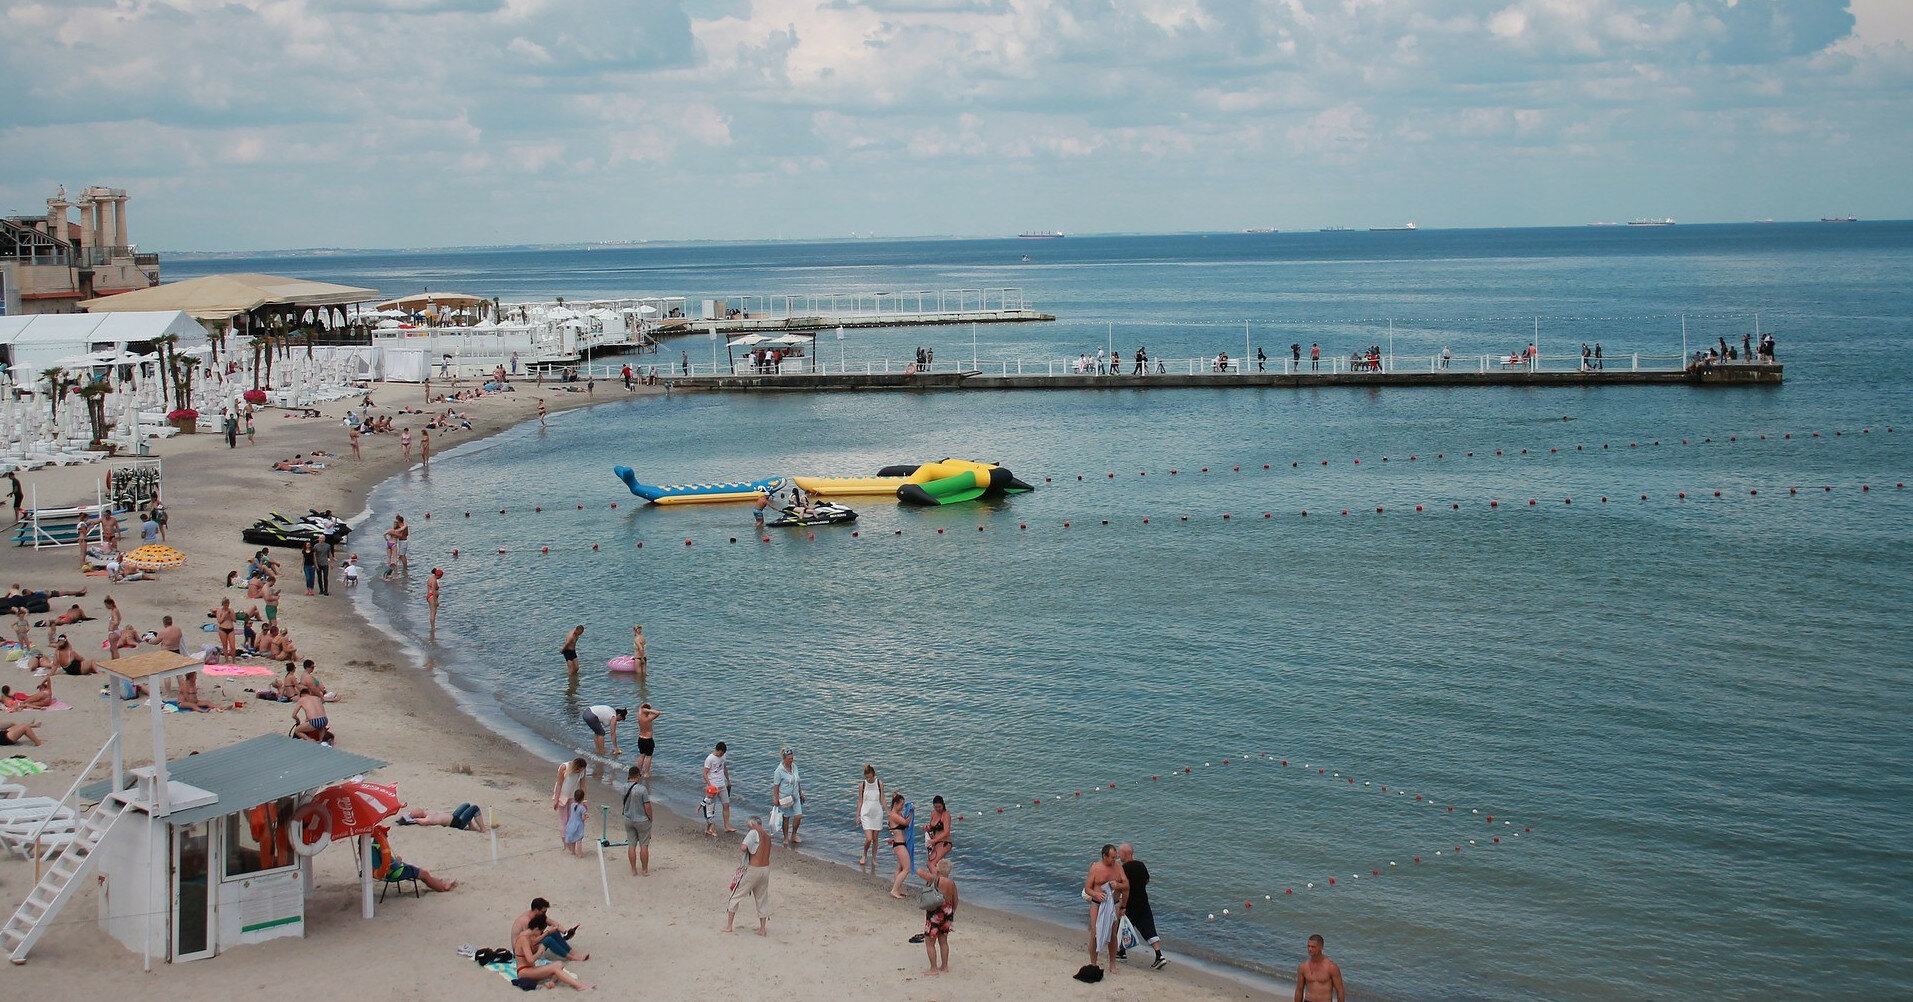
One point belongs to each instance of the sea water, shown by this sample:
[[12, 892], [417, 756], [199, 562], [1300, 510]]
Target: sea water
[[1684, 715]]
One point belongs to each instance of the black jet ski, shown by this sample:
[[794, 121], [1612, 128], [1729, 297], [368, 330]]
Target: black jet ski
[[818, 513], [278, 530]]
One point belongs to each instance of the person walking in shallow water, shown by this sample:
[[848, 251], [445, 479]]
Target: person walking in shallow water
[[431, 597], [570, 650]]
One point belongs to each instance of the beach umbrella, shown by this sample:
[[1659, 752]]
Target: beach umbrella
[[154, 557], [344, 810]]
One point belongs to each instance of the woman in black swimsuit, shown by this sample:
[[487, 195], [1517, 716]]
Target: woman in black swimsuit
[[899, 843]]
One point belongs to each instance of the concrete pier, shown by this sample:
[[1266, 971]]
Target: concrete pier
[[1725, 374]]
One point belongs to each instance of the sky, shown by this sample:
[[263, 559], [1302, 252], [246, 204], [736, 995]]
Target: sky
[[274, 124]]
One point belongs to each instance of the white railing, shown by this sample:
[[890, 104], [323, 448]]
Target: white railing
[[70, 800], [903, 304], [1284, 366]]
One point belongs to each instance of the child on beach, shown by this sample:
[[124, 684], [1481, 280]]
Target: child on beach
[[351, 571], [575, 823]]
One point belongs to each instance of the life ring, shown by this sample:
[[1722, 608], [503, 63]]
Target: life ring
[[307, 813]]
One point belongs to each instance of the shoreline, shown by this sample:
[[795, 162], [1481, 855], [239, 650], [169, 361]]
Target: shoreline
[[832, 928]]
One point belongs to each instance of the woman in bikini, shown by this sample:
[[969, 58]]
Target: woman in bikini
[[228, 625], [525, 950], [938, 831], [899, 843]]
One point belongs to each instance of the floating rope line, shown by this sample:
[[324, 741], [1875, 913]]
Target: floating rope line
[[1497, 830], [599, 506], [1429, 508]]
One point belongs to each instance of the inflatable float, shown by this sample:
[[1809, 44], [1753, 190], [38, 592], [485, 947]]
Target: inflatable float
[[889, 478], [947, 481], [737, 490], [821, 513], [623, 663]]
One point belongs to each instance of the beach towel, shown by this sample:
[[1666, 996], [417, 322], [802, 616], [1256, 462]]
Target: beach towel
[[60, 704], [239, 670], [21, 767]]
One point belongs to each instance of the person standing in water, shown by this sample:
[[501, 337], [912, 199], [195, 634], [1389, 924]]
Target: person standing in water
[[638, 659], [647, 745], [570, 650], [431, 596]]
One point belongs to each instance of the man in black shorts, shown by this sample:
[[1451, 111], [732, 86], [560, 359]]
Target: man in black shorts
[[1137, 908]]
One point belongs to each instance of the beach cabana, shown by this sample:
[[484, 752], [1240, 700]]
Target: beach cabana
[[194, 855]]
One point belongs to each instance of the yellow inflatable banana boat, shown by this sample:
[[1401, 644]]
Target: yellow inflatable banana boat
[[887, 482]]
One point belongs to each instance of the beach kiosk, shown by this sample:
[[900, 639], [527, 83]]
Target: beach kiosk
[[194, 856]]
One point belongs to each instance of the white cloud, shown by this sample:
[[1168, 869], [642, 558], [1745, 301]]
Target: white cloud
[[1068, 107]]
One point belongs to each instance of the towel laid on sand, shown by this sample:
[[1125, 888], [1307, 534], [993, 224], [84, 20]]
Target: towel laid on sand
[[239, 670]]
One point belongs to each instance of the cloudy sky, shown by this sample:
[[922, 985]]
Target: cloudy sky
[[259, 124]]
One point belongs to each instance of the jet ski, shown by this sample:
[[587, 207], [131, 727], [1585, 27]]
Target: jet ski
[[818, 513], [278, 530]]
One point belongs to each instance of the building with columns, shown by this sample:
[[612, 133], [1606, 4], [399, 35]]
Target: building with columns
[[49, 263]]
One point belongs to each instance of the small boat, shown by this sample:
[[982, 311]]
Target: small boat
[[735, 490], [818, 513]]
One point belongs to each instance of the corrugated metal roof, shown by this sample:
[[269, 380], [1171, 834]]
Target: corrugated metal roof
[[254, 772]]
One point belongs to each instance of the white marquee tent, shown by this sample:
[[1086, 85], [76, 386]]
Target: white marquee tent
[[31, 343]]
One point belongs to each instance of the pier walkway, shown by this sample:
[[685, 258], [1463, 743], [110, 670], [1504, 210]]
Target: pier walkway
[[1202, 373]]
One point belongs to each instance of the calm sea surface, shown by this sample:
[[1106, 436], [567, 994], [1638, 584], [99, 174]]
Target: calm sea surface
[[1686, 717]]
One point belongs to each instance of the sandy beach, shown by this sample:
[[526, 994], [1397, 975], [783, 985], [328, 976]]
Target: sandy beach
[[835, 932]]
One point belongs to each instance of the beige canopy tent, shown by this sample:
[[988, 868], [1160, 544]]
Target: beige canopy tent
[[449, 300], [222, 297]]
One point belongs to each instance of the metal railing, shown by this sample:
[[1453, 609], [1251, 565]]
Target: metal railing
[[72, 794], [1214, 365], [903, 304]]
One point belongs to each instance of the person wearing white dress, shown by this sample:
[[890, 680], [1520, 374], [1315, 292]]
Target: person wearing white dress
[[870, 813]]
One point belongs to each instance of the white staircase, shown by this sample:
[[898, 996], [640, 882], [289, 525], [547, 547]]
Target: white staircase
[[60, 882]]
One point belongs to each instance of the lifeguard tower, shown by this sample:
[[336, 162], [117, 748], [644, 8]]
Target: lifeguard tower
[[194, 855]]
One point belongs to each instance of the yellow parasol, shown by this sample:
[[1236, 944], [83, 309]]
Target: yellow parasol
[[153, 557]]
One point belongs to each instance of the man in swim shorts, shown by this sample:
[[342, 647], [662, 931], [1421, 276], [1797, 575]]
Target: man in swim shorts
[[637, 821], [601, 718], [570, 651], [464, 817], [647, 746], [312, 709], [757, 507]]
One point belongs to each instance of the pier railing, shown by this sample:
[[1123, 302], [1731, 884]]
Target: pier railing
[[1213, 365], [902, 304]]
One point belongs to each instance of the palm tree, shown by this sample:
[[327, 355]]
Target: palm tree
[[164, 345], [56, 386], [94, 393], [182, 379]]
